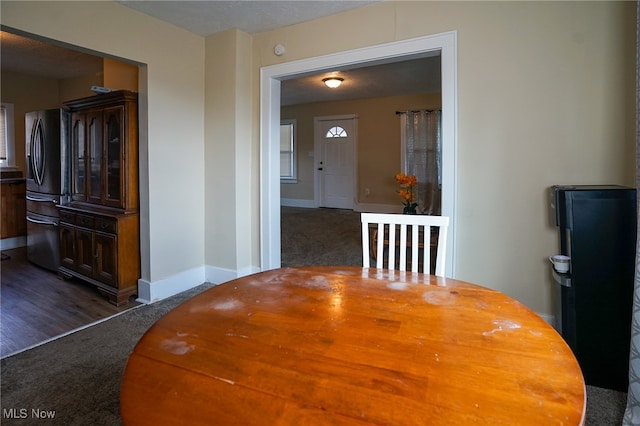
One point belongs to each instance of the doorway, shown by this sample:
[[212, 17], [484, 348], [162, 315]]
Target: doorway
[[335, 148], [270, 78], [58, 309]]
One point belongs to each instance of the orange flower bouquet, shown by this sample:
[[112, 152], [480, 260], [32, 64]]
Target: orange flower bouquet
[[407, 183]]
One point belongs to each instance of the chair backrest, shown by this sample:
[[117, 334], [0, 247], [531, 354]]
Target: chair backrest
[[381, 232]]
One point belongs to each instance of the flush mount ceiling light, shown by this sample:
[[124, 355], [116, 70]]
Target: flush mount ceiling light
[[333, 82]]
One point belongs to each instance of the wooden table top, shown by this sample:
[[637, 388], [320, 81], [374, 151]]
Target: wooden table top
[[351, 346]]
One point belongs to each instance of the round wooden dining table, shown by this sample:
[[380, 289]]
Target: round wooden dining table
[[351, 346]]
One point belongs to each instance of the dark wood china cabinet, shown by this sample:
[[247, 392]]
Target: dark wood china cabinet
[[99, 226]]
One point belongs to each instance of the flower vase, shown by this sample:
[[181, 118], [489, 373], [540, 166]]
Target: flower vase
[[409, 210]]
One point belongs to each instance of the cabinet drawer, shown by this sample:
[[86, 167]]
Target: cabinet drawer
[[84, 221], [67, 217], [106, 225]]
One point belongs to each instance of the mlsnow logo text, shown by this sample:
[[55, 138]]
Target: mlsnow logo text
[[23, 413]]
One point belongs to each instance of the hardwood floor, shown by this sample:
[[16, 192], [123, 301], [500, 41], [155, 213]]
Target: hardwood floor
[[36, 305]]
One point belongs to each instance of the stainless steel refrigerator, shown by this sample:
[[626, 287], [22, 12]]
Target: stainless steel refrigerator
[[597, 229], [47, 183]]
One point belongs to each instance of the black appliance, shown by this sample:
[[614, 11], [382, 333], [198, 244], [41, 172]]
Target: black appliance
[[47, 183], [597, 226]]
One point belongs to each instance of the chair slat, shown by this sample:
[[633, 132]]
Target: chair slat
[[365, 245], [391, 262], [426, 242], [380, 248], [415, 248], [403, 243]]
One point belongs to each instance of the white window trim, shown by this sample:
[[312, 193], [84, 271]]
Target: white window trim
[[294, 156], [10, 162]]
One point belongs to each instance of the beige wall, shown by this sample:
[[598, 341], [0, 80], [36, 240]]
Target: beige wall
[[172, 113], [378, 143], [232, 211], [545, 96], [80, 87], [120, 75]]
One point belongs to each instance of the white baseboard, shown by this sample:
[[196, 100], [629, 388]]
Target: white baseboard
[[359, 207], [150, 292], [550, 319], [11, 243], [293, 202]]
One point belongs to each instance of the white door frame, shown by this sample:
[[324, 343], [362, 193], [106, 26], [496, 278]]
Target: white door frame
[[317, 153], [270, 77]]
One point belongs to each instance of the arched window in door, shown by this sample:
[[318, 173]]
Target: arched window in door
[[336, 132]]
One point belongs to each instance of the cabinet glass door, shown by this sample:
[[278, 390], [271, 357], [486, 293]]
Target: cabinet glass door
[[114, 138], [94, 145], [78, 148]]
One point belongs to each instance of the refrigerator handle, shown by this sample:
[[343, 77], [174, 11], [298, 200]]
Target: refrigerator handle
[[37, 151], [41, 222], [42, 199]]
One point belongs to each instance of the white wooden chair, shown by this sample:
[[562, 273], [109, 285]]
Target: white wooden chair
[[387, 231]]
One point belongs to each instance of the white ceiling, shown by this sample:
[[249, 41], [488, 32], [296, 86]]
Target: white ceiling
[[418, 75], [210, 17]]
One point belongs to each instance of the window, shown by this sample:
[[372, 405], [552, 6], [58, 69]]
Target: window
[[421, 144], [288, 151], [336, 132], [7, 154]]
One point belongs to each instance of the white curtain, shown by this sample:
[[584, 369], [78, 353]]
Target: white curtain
[[632, 412], [421, 136]]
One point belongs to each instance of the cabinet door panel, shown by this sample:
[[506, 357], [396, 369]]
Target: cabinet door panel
[[67, 246], [20, 212], [106, 258], [14, 210], [5, 207], [84, 251]]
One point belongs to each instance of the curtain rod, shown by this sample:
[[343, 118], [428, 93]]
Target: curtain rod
[[417, 110]]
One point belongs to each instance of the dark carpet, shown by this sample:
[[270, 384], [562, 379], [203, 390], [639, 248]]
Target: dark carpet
[[323, 237], [75, 380]]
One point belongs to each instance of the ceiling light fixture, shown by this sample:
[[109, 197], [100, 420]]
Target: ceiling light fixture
[[333, 82]]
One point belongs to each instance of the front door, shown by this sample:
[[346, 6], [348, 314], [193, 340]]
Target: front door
[[335, 161]]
